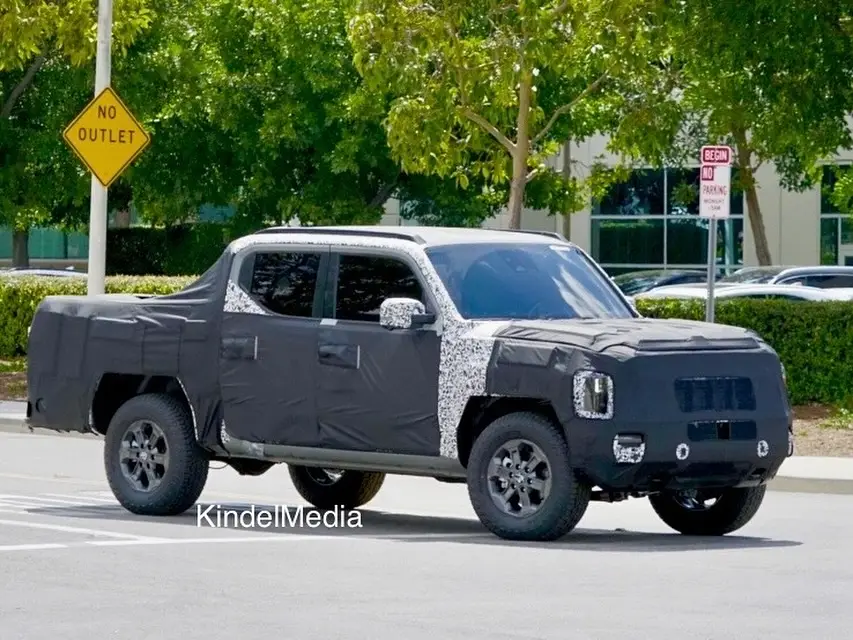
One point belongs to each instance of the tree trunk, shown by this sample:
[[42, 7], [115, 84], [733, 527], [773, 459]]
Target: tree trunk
[[753, 207], [23, 83], [21, 249], [520, 154]]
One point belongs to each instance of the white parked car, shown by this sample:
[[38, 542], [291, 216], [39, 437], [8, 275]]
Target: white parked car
[[757, 291]]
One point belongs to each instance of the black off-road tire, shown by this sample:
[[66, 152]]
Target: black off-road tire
[[351, 490], [186, 473], [732, 510], [567, 500]]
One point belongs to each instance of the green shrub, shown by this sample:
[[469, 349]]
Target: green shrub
[[19, 297], [814, 340]]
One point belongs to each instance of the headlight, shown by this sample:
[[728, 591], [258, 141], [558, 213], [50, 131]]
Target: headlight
[[593, 394], [784, 374]]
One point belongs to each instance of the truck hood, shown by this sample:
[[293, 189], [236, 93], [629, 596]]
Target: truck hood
[[639, 334]]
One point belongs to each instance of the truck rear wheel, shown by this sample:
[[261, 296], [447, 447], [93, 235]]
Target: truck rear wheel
[[330, 489], [520, 482], [154, 465], [689, 513]]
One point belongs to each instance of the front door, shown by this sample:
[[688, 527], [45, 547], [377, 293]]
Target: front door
[[377, 389], [270, 328]]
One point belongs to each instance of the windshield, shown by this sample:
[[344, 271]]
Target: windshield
[[525, 281], [637, 282], [752, 276]]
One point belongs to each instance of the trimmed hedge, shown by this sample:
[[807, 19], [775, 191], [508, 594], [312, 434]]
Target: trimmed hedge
[[813, 339], [20, 295]]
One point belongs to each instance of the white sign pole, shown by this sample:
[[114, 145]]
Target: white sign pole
[[714, 203], [98, 207], [712, 269]]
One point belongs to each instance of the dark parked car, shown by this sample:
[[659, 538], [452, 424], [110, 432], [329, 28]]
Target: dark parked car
[[640, 281]]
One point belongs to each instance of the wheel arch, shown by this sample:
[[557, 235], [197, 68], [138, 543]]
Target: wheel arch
[[481, 411], [114, 389]]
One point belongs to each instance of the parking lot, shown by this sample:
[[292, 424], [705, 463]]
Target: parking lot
[[76, 565]]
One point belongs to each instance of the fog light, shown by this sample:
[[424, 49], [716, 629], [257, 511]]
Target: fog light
[[629, 448], [593, 395]]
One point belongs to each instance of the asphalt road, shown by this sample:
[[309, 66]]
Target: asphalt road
[[74, 565]]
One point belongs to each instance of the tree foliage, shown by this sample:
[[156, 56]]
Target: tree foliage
[[256, 104], [489, 88], [771, 79], [45, 48]]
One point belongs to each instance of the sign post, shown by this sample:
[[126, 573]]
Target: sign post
[[714, 204], [107, 139]]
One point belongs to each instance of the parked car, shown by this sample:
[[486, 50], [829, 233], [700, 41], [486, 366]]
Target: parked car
[[757, 291], [506, 361], [822, 277], [639, 281]]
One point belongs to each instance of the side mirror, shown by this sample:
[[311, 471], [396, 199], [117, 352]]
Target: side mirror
[[403, 313]]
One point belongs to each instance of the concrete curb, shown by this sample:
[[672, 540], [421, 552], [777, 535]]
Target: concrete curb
[[782, 482]]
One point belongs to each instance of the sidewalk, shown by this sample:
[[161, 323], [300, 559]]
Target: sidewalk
[[798, 474]]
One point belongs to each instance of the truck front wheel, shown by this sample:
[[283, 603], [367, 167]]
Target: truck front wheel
[[330, 489], [520, 482], [707, 512], [154, 465]]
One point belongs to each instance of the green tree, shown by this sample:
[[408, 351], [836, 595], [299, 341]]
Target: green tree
[[45, 45], [770, 79], [492, 88], [256, 104]]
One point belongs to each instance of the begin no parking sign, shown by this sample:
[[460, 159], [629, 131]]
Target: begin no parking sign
[[715, 182]]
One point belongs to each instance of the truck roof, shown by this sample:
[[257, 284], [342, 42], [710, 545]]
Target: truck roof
[[425, 236]]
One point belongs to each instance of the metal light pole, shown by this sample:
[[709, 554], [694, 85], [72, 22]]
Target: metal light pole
[[98, 209]]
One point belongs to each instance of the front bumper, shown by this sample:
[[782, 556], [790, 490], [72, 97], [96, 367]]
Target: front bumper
[[714, 453]]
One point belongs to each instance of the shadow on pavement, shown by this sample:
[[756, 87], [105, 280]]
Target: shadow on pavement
[[405, 527]]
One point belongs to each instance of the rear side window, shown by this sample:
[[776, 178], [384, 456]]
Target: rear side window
[[364, 282], [831, 281], [284, 283]]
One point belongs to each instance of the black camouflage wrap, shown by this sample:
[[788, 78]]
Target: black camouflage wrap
[[708, 401]]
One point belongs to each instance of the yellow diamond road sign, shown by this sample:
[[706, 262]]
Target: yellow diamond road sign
[[106, 137]]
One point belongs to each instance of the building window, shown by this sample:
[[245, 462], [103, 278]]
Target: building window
[[651, 221], [836, 228]]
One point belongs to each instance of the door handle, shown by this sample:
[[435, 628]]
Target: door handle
[[329, 351], [347, 356]]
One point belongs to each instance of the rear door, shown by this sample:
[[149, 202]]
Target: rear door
[[377, 389], [270, 327]]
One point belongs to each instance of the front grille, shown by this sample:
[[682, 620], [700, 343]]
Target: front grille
[[706, 430], [715, 394]]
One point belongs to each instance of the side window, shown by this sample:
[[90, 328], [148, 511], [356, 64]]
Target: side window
[[284, 283], [365, 281], [795, 280], [831, 281]]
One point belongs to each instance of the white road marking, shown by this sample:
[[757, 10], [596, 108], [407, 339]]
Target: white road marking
[[78, 497], [64, 529], [50, 500], [284, 537], [31, 547], [65, 480]]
